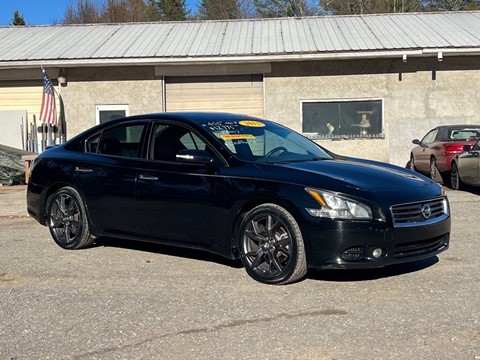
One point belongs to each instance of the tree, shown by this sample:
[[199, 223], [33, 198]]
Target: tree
[[453, 5], [170, 10], [219, 9], [121, 11], [282, 8], [82, 12], [17, 19], [357, 7], [111, 11]]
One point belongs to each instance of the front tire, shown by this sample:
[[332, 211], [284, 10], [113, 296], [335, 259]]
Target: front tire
[[434, 173], [271, 245], [67, 219], [455, 181], [411, 164]]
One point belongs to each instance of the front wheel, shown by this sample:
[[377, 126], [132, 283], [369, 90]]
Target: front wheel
[[455, 181], [434, 173], [271, 245], [67, 219], [411, 164]]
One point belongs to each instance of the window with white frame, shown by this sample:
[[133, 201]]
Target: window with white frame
[[342, 119], [110, 112]]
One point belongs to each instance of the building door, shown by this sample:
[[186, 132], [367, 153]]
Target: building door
[[235, 94]]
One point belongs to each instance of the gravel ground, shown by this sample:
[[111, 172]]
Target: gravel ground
[[125, 300]]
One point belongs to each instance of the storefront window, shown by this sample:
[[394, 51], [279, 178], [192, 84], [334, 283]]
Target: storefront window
[[343, 119]]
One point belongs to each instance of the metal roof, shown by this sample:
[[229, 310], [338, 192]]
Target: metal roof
[[256, 40]]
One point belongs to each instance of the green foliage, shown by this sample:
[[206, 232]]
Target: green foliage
[[284, 8], [17, 19], [219, 9], [170, 10]]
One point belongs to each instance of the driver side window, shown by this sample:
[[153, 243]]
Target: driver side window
[[430, 137], [168, 139]]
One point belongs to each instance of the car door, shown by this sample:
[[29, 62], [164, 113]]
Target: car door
[[424, 150], [106, 176], [469, 166], [177, 201]]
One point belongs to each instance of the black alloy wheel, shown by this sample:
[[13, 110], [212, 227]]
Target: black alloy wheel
[[455, 181], [67, 219], [271, 245]]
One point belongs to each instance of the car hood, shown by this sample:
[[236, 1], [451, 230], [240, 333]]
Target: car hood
[[363, 175]]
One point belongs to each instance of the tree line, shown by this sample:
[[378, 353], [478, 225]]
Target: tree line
[[120, 11]]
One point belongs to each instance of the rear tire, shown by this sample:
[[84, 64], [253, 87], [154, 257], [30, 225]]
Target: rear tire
[[271, 245], [67, 219]]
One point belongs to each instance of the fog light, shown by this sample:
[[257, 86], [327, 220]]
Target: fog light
[[377, 253]]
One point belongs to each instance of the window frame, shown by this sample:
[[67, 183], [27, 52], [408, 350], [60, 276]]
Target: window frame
[[318, 136], [110, 107]]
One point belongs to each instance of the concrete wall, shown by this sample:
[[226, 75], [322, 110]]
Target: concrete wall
[[418, 95], [136, 87]]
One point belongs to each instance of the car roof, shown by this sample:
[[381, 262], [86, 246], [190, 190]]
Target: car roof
[[197, 116], [464, 126]]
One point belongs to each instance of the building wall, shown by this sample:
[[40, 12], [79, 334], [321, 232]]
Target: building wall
[[136, 87], [418, 95]]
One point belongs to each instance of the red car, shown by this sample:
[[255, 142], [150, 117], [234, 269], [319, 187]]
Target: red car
[[434, 153]]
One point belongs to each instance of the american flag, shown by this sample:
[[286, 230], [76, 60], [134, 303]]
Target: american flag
[[48, 112]]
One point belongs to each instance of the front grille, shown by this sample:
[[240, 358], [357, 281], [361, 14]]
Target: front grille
[[419, 213], [415, 248]]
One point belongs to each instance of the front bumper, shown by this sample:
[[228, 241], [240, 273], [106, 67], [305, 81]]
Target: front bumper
[[351, 245]]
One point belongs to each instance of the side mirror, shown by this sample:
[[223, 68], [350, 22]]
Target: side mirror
[[416, 142], [467, 147], [192, 156]]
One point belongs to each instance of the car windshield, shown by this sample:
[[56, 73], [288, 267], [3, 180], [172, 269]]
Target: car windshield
[[264, 141]]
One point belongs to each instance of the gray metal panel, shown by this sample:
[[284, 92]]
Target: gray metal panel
[[253, 37]]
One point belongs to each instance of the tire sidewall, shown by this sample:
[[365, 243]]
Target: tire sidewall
[[82, 233], [295, 234]]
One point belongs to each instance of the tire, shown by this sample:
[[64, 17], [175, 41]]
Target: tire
[[455, 181], [434, 173], [67, 219], [411, 164], [271, 245]]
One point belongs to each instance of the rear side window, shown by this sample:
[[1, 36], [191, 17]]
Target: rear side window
[[123, 140]]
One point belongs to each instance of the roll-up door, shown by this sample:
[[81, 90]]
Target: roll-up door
[[21, 97], [241, 94]]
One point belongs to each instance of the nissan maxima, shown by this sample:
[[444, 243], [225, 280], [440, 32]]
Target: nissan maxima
[[237, 186]]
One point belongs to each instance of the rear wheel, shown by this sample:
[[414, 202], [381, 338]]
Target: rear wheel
[[271, 245], [67, 219], [455, 181]]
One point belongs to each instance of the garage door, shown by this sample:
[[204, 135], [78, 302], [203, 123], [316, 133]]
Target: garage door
[[25, 97], [238, 94]]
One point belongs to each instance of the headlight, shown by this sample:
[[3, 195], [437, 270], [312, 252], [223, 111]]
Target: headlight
[[334, 206]]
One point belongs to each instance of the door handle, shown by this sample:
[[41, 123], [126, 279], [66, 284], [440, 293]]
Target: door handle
[[147, 177], [83, 170]]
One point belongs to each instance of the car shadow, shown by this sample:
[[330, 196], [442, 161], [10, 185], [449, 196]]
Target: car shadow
[[176, 251], [331, 275], [344, 275]]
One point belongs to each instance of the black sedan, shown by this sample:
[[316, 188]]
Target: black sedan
[[237, 186], [466, 166]]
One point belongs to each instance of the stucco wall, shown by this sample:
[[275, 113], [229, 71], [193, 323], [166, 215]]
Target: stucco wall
[[418, 95], [88, 87]]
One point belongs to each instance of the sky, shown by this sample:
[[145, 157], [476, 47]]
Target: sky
[[42, 12]]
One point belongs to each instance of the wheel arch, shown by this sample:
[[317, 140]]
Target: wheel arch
[[53, 189], [250, 205]]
